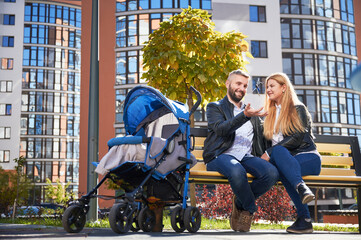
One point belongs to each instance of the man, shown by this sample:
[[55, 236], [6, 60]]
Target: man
[[235, 137]]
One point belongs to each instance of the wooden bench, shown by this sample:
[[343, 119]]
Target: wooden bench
[[341, 164]]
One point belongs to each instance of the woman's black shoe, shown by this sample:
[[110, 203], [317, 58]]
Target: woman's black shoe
[[301, 225], [305, 193]]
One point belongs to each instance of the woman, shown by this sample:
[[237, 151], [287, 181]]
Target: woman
[[293, 151]]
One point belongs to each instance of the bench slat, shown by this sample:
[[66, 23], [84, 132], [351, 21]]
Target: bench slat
[[199, 142], [200, 170], [333, 148], [338, 171], [321, 147], [326, 160], [198, 154], [200, 166], [337, 161]]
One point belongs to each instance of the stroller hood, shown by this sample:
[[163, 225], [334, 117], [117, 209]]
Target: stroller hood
[[144, 101]]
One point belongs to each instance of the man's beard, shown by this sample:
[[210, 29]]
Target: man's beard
[[233, 96]]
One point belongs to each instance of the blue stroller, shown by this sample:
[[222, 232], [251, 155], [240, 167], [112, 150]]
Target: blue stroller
[[150, 164]]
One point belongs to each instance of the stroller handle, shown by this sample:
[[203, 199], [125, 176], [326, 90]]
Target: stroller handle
[[199, 99]]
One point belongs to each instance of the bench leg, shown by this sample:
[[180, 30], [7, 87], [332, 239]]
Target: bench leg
[[158, 211], [315, 211], [192, 194], [359, 208]]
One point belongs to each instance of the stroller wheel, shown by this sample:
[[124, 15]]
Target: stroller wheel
[[146, 219], [118, 220], [192, 219], [135, 225], [74, 219], [176, 219]]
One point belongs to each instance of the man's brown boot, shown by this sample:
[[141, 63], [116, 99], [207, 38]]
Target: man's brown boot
[[245, 221], [235, 216]]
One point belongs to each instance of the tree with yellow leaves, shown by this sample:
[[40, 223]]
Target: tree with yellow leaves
[[186, 51]]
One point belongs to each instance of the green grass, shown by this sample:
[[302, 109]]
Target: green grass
[[333, 228], [207, 224], [33, 221], [327, 227]]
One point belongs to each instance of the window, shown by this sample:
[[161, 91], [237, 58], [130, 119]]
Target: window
[[295, 6], [316, 69], [4, 156], [257, 13], [39, 12], [347, 12], [48, 57], [7, 63], [129, 68], [5, 109], [324, 8], [296, 33], [9, 19], [6, 86], [5, 132], [132, 5], [259, 49], [8, 41], [10, 1], [258, 85]]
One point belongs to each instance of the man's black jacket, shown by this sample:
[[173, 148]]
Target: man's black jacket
[[222, 126]]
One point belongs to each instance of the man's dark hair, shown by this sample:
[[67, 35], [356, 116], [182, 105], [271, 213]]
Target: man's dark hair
[[238, 72]]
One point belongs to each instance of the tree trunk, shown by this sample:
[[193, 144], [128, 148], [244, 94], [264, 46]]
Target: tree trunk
[[17, 195], [190, 105]]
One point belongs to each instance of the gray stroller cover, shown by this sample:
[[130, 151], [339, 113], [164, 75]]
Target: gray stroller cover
[[159, 131]]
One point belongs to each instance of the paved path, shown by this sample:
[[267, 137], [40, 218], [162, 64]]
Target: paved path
[[17, 231]]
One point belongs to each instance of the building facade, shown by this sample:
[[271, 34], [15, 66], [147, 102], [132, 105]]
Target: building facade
[[44, 100], [11, 39], [319, 54]]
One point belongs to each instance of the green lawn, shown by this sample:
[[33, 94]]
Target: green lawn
[[206, 224]]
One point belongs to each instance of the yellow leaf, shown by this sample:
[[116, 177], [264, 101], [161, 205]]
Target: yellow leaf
[[175, 65], [169, 43], [202, 78], [172, 59], [173, 95], [211, 72], [180, 79], [248, 54], [220, 51], [244, 46]]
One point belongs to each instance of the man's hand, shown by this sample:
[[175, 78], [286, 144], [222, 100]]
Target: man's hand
[[265, 157], [251, 112]]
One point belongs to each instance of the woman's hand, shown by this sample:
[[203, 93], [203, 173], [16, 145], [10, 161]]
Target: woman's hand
[[265, 157]]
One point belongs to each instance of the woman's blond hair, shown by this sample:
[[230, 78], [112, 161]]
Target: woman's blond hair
[[288, 121]]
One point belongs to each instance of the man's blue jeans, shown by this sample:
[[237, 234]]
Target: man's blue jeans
[[266, 175], [291, 169]]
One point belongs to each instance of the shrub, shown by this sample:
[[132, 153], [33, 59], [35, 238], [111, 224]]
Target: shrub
[[14, 187], [273, 206], [216, 203]]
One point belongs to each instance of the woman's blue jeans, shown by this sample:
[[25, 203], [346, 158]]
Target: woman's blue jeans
[[266, 175], [291, 169]]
